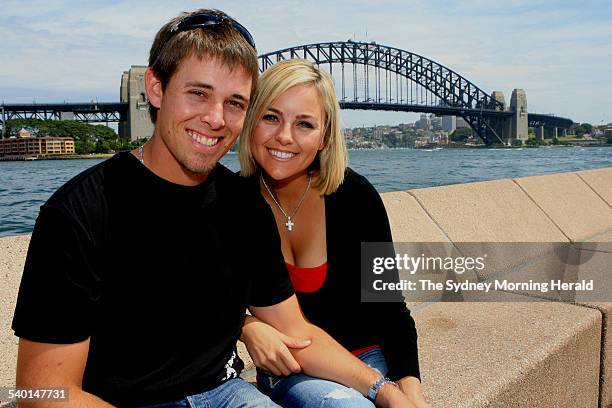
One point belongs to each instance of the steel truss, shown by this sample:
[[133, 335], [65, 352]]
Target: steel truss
[[441, 86], [104, 112]]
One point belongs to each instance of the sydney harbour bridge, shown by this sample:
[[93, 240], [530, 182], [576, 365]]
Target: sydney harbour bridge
[[368, 76]]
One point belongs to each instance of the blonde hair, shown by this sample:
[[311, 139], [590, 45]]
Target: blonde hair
[[333, 158]]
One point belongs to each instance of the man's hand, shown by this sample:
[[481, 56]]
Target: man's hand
[[44, 365], [269, 348], [411, 387]]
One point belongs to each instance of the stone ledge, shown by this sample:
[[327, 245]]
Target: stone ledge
[[472, 354]]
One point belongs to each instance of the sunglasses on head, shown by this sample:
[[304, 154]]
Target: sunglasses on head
[[208, 20]]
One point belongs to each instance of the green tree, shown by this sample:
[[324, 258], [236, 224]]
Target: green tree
[[84, 147], [103, 146], [533, 142], [587, 127], [517, 143], [582, 129], [461, 134]]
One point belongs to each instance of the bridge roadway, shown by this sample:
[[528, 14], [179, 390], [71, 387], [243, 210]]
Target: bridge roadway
[[81, 112], [109, 112]]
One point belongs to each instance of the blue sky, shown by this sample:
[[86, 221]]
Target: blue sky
[[560, 52]]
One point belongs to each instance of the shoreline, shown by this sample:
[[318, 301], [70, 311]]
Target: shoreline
[[63, 157], [109, 155]]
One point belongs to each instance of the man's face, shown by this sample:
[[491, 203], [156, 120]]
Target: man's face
[[200, 112]]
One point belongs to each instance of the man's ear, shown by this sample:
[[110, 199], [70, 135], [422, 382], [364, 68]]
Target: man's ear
[[153, 86]]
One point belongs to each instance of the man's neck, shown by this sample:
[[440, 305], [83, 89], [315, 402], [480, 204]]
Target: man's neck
[[160, 161]]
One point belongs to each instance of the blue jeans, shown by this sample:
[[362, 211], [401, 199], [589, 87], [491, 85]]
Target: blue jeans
[[302, 391], [235, 393]]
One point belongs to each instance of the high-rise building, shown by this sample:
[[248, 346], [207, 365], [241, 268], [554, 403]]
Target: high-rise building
[[424, 123], [449, 124]]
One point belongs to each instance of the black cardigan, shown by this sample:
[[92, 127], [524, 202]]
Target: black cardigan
[[354, 214]]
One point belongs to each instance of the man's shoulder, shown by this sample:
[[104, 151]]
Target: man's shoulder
[[88, 185], [236, 187]]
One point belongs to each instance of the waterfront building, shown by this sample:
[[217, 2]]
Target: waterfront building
[[24, 133], [36, 146]]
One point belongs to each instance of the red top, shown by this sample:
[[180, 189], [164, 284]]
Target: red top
[[364, 349], [307, 280]]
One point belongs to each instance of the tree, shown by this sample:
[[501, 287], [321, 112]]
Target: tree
[[533, 142], [587, 127], [583, 129], [461, 134], [517, 143]]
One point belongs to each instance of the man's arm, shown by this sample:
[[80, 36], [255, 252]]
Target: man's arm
[[325, 358], [45, 365]]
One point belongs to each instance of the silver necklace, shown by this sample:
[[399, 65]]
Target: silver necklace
[[289, 224], [140, 151]]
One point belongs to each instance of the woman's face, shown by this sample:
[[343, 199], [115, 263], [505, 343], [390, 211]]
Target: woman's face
[[290, 133]]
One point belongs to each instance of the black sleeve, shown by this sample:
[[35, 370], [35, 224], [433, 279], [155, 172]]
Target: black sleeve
[[58, 288], [396, 326], [272, 284]]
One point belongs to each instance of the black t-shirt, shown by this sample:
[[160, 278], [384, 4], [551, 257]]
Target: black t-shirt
[[157, 275]]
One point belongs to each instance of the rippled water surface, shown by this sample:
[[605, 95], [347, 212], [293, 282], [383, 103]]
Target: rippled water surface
[[24, 186]]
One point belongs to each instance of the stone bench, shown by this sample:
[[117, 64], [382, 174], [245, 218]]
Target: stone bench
[[519, 353]]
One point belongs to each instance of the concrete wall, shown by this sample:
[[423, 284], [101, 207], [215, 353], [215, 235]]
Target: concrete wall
[[520, 353]]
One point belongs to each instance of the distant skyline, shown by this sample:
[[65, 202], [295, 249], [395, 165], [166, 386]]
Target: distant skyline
[[559, 51]]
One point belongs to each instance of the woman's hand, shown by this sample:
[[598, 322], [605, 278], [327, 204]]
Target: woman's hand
[[269, 348], [411, 386]]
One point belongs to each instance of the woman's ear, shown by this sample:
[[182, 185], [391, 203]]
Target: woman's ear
[[323, 143], [153, 86]]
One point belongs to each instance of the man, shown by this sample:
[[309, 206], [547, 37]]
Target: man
[[140, 268]]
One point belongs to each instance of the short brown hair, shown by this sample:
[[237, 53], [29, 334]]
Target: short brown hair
[[220, 41]]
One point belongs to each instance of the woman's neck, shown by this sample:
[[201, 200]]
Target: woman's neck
[[290, 190]]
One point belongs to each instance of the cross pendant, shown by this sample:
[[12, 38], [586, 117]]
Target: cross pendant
[[289, 224]]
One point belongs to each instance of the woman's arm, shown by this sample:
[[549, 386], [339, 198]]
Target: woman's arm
[[325, 358], [269, 348], [398, 335]]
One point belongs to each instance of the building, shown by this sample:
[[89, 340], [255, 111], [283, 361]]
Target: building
[[36, 146], [436, 123], [449, 124], [461, 123], [424, 123]]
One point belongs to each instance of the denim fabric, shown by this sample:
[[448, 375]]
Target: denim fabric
[[302, 391], [235, 393]]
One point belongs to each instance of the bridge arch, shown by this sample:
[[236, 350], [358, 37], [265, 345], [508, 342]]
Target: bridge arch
[[454, 94], [452, 88]]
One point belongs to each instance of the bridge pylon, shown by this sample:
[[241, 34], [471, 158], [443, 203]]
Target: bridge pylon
[[132, 92], [519, 122]]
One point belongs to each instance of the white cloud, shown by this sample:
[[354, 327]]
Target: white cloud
[[559, 52]]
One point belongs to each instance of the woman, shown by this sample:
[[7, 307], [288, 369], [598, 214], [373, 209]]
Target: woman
[[292, 146]]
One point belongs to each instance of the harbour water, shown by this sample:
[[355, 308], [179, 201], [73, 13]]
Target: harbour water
[[25, 186]]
